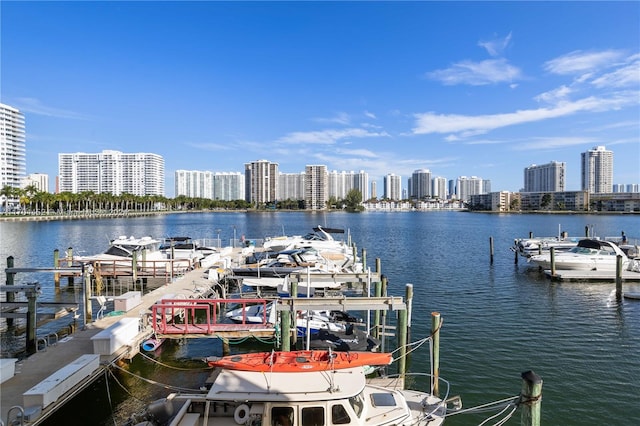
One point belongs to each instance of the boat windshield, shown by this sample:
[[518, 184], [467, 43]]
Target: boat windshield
[[357, 403]]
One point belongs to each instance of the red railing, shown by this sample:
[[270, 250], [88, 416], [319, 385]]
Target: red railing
[[185, 316]]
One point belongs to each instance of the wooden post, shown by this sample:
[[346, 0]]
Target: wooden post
[[515, 260], [226, 350], [134, 267], [364, 260], [530, 234], [383, 315], [491, 249], [408, 294], [402, 343], [11, 296], [552, 258], [530, 399], [88, 312], [32, 322], [56, 264], [435, 356], [618, 277], [285, 330], [378, 265], [70, 263], [376, 313]]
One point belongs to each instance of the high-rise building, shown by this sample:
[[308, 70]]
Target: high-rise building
[[206, 184], [393, 187], [261, 182], [468, 186], [13, 159], [111, 172], [340, 183], [374, 189], [545, 177], [420, 184], [291, 186], [439, 187], [597, 170], [39, 180], [316, 192]]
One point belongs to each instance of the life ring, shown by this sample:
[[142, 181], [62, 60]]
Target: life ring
[[241, 415], [90, 269]]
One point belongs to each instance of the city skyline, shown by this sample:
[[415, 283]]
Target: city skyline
[[462, 89]]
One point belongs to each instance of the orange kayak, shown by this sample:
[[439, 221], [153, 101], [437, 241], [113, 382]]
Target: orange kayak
[[296, 361]]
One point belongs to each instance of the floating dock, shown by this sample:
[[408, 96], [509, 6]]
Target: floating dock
[[592, 276]]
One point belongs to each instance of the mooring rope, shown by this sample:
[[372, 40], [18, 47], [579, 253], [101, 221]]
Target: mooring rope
[[155, 383], [172, 367], [490, 406]]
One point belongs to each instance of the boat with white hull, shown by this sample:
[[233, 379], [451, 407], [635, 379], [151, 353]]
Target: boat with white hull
[[306, 398], [587, 255]]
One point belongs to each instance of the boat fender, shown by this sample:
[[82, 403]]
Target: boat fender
[[241, 415]]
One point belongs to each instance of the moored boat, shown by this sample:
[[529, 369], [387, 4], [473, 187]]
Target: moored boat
[[588, 255], [314, 398], [306, 360]]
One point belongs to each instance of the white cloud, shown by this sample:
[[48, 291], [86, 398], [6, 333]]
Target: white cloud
[[35, 106], [454, 123], [328, 137], [555, 95], [578, 62], [340, 118], [628, 75], [553, 143], [357, 152], [490, 71], [370, 115], [497, 46]]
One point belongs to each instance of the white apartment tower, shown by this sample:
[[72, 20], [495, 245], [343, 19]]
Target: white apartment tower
[[111, 172], [291, 186], [393, 187], [468, 186], [545, 177], [13, 159], [261, 182], [340, 183], [597, 170], [206, 184], [39, 180], [439, 187], [316, 192]]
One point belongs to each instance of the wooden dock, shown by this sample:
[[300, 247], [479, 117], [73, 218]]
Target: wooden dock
[[592, 276], [39, 366]]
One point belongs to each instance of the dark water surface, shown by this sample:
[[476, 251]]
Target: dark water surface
[[500, 319]]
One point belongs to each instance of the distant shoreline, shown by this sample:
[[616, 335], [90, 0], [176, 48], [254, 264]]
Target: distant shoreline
[[87, 216]]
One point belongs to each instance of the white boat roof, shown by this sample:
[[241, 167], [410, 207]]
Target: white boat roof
[[233, 385]]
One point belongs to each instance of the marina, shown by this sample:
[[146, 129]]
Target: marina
[[433, 292]]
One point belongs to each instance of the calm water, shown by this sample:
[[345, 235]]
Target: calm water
[[500, 319]]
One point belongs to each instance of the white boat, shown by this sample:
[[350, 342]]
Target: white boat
[[148, 253], [313, 398], [587, 255], [263, 313]]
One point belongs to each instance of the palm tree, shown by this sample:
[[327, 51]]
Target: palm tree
[[8, 193]]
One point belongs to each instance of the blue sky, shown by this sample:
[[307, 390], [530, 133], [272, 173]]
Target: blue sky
[[461, 88]]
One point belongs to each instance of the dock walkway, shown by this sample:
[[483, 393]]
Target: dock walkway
[[39, 366]]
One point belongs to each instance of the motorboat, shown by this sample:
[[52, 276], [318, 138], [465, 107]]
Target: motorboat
[[528, 247], [320, 238], [147, 252], [587, 255], [306, 321], [313, 397], [304, 360]]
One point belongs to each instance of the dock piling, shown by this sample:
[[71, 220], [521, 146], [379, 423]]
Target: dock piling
[[88, 312], [70, 264], [56, 264], [10, 281], [530, 399], [552, 257], [491, 250], [618, 277], [402, 343], [435, 356]]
